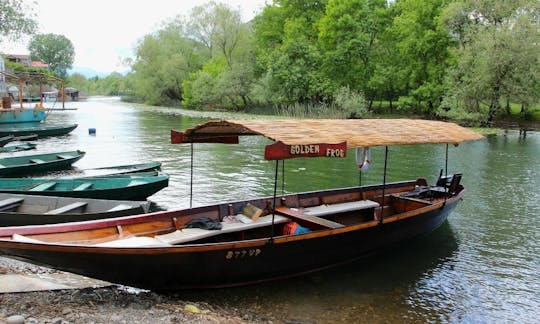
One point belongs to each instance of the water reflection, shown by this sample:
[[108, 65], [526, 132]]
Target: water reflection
[[481, 266]]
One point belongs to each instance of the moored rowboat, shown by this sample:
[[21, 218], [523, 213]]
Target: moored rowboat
[[235, 243], [21, 210], [28, 164], [113, 188]]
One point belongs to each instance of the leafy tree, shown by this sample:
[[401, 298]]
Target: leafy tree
[[55, 50], [498, 56], [17, 18], [348, 34], [163, 61], [227, 78], [290, 60], [422, 46]]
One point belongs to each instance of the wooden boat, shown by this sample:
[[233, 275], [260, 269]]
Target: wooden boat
[[260, 239], [22, 115], [6, 139], [41, 130], [122, 169], [29, 164], [21, 210], [114, 188], [17, 147]]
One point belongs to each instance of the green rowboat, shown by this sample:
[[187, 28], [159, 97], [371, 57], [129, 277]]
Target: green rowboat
[[115, 188], [29, 164]]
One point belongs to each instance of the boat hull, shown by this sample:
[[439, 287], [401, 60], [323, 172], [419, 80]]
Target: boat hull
[[228, 264], [121, 190], [10, 116], [41, 130]]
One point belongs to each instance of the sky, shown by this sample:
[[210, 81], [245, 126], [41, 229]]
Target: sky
[[105, 31]]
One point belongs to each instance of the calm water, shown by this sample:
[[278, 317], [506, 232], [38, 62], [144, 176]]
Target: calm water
[[482, 266]]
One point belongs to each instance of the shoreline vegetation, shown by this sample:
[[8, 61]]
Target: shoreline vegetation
[[472, 62]]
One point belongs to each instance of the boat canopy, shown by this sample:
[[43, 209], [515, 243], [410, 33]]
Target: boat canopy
[[309, 134]]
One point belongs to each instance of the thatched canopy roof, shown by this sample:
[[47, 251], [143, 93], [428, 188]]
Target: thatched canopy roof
[[356, 132]]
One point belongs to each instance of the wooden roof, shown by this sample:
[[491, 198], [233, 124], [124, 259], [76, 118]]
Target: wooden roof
[[356, 132]]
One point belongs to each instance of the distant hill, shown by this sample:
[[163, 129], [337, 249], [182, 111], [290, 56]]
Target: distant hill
[[90, 73]]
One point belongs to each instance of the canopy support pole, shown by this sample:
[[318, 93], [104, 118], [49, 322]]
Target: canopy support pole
[[191, 180], [360, 183], [282, 178], [384, 184], [446, 175], [271, 241]]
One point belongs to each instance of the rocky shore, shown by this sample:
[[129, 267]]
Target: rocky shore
[[109, 304]]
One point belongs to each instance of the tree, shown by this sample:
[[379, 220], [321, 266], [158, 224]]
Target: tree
[[498, 56], [55, 50], [288, 54], [226, 79], [348, 33], [423, 50], [16, 19], [163, 61]]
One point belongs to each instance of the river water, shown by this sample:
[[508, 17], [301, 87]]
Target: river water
[[481, 266]]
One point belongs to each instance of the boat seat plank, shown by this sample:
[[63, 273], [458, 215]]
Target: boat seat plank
[[44, 186], [66, 208], [194, 234], [119, 207], [297, 214], [340, 207], [37, 161], [133, 242], [60, 156], [9, 202], [2, 166], [83, 186]]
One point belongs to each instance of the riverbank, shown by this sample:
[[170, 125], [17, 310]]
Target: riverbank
[[107, 304]]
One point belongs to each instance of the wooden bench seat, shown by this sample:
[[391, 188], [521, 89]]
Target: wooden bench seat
[[83, 186], [66, 208], [44, 186], [63, 157], [10, 203], [298, 214], [194, 234], [323, 210], [119, 207], [37, 161]]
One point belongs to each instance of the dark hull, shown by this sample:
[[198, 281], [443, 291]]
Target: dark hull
[[228, 264]]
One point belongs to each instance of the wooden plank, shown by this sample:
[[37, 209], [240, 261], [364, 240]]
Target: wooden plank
[[83, 186], [64, 156], [37, 161], [66, 208], [10, 202], [340, 208], [44, 186], [311, 219]]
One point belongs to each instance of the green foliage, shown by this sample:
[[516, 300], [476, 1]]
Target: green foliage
[[351, 102], [55, 50], [461, 59], [17, 18], [499, 59]]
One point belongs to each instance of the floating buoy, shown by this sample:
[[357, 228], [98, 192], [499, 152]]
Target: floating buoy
[[91, 131]]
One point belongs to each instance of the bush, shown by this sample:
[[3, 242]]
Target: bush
[[352, 103]]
